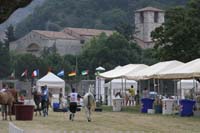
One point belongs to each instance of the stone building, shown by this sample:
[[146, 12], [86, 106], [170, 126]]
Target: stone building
[[146, 20], [67, 41]]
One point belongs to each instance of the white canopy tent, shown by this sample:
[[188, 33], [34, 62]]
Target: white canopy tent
[[52, 81], [154, 70], [185, 71], [120, 72], [185, 86]]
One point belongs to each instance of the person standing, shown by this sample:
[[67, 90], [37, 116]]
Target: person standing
[[45, 97], [132, 95], [73, 98], [61, 99], [145, 93]]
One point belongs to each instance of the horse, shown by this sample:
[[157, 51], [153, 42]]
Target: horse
[[125, 95], [7, 99], [37, 96], [89, 103]]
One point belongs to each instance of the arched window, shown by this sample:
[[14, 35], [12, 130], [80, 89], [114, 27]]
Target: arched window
[[33, 47]]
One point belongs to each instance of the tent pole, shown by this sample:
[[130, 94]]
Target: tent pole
[[180, 90], [154, 84], [111, 93], [194, 84]]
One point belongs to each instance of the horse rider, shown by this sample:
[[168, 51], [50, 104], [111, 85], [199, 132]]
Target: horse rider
[[45, 96], [73, 98]]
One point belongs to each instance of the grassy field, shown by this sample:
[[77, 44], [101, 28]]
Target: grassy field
[[127, 120]]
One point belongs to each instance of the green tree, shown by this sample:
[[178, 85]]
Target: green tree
[[109, 52], [179, 37]]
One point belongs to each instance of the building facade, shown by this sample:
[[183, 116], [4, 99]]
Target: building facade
[[146, 20], [69, 41]]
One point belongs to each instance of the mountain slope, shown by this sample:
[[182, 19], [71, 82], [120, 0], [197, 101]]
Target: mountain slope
[[21, 14], [100, 14]]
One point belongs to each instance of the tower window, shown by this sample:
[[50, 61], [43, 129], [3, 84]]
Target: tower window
[[155, 17], [141, 17]]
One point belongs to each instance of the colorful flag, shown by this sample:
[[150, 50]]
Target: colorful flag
[[73, 73], [85, 72], [35, 73], [61, 73], [24, 73]]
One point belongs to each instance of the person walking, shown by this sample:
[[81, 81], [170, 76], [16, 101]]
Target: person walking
[[73, 98], [45, 97]]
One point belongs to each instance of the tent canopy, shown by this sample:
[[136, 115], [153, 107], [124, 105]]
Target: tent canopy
[[117, 83], [185, 71], [121, 72], [154, 70], [52, 81]]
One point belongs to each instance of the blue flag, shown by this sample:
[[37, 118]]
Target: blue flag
[[61, 73]]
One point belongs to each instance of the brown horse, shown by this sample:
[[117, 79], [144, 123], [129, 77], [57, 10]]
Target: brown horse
[[37, 97], [6, 98]]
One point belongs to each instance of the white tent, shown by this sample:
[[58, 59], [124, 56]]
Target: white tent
[[120, 72], [117, 85], [52, 81], [154, 70], [185, 71], [184, 86]]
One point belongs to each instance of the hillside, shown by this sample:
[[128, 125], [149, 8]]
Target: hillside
[[21, 14], [100, 14]]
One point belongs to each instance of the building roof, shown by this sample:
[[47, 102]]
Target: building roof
[[88, 32], [54, 34], [149, 9]]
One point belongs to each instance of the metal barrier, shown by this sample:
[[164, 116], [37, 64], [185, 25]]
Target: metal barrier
[[14, 129]]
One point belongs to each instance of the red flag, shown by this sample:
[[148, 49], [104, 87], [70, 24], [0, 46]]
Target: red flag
[[24, 73]]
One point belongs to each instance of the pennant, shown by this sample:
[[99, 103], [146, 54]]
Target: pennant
[[73, 73], [24, 73], [85, 72], [61, 73], [35, 73]]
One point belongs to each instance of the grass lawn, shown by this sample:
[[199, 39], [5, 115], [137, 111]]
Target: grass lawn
[[127, 120]]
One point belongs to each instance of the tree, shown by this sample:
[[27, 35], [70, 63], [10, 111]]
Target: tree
[[179, 37], [108, 52]]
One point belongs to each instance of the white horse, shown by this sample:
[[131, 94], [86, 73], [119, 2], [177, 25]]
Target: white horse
[[89, 103]]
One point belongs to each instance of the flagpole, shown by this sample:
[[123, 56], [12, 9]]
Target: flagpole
[[76, 70]]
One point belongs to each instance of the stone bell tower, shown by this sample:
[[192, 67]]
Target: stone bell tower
[[146, 20]]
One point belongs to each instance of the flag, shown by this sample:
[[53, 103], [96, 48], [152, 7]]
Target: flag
[[61, 73], [97, 73], [24, 73], [73, 73], [85, 72], [35, 73], [12, 75]]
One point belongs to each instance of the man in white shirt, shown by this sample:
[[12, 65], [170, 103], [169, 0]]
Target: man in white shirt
[[73, 103]]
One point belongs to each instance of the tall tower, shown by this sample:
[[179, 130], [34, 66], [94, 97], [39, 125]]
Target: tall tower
[[146, 20]]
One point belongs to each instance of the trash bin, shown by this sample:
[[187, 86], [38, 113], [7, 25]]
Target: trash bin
[[117, 104], [167, 107], [186, 107], [13, 107], [146, 103], [24, 112]]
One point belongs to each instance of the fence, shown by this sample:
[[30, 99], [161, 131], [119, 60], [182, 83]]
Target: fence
[[14, 129]]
